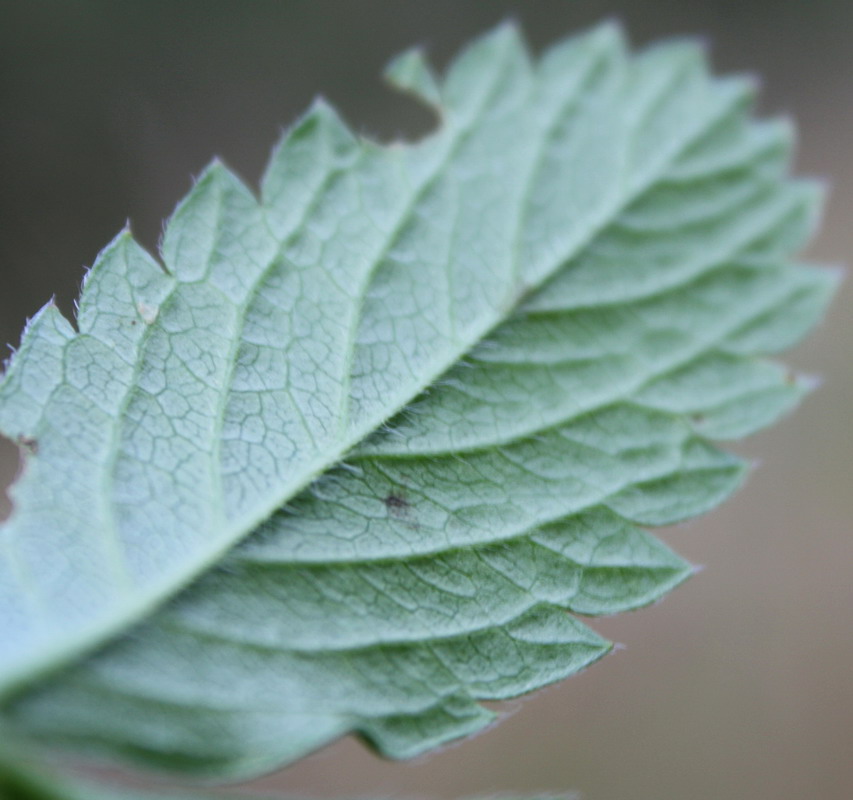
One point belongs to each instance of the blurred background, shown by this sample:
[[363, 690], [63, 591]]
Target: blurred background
[[738, 685]]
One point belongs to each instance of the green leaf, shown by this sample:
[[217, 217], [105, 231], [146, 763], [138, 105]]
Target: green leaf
[[345, 460]]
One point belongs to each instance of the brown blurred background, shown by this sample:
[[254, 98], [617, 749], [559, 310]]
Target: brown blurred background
[[737, 686]]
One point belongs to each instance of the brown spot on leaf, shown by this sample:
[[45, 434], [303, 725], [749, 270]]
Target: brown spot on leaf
[[401, 509], [396, 504]]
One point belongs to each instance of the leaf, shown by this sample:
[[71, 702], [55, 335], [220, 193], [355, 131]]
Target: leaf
[[440, 384]]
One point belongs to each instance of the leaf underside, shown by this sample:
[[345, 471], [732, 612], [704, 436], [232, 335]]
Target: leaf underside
[[440, 384]]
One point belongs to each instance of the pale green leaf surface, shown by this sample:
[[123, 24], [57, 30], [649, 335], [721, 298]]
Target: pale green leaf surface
[[441, 385]]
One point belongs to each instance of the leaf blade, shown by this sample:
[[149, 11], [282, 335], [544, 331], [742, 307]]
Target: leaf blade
[[385, 343]]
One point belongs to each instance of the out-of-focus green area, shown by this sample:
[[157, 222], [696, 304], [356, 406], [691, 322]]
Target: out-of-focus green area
[[738, 685]]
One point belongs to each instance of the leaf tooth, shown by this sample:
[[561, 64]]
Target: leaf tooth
[[667, 83], [605, 45], [410, 72], [800, 204], [623, 567], [121, 295], [789, 319], [667, 127], [403, 736], [193, 233], [740, 146], [34, 371], [543, 645], [314, 149], [703, 480], [499, 55], [749, 411]]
